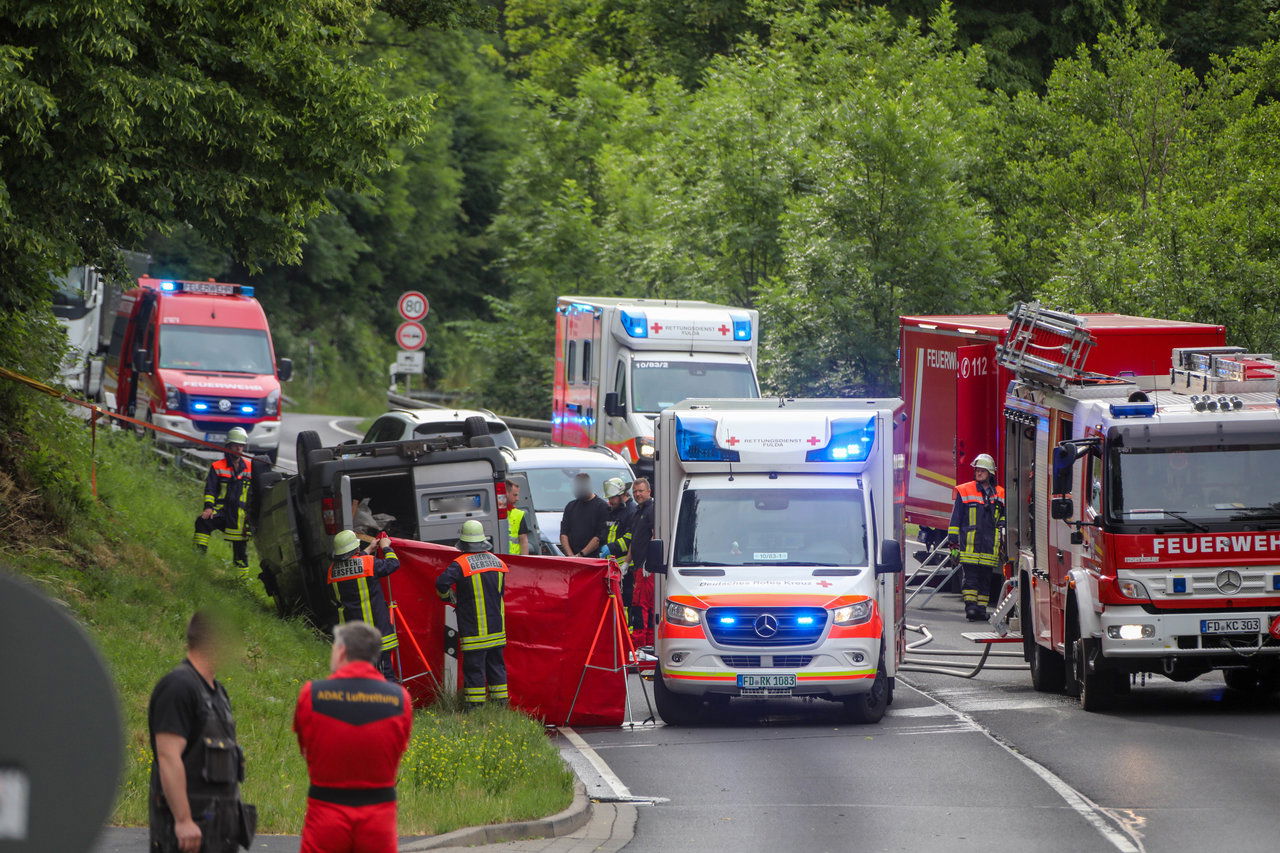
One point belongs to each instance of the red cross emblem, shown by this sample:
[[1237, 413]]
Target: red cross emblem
[[732, 440], [824, 584], [657, 328], [724, 330], [813, 440]]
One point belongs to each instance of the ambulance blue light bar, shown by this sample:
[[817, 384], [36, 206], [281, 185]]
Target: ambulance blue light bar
[[851, 440], [741, 327], [696, 442], [1133, 410], [637, 324]]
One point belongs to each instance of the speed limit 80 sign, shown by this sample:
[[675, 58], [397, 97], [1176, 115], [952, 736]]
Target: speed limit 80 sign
[[413, 305]]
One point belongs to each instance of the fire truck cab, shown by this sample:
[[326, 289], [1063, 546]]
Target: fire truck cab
[[1143, 513], [196, 357], [778, 554], [619, 362]]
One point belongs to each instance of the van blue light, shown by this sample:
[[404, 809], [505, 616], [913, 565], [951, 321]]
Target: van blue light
[[246, 290], [168, 286], [741, 327], [851, 441], [727, 620], [696, 442], [637, 324], [248, 410], [200, 407], [800, 620], [1133, 410]]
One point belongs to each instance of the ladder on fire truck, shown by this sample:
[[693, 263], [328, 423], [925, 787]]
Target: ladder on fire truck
[[1046, 347]]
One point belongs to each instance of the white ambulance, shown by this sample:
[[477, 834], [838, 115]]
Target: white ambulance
[[619, 362], [778, 553]]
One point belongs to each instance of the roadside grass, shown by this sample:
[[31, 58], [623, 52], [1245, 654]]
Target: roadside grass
[[127, 570]]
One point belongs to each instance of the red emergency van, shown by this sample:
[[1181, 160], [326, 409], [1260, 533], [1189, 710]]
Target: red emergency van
[[196, 357]]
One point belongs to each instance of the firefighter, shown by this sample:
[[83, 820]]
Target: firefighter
[[517, 522], [617, 524], [976, 536], [357, 585], [475, 583], [227, 491], [353, 729]]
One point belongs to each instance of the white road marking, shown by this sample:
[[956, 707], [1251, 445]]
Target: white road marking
[[1082, 805], [934, 710], [333, 425], [607, 776]]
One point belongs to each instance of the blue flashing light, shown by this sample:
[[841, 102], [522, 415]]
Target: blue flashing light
[[248, 410], [800, 620], [696, 442], [1275, 582], [851, 441], [741, 327], [637, 324], [728, 620], [246, 290], [1179, 584], [168, 286], [1133, 410], [200, 407]]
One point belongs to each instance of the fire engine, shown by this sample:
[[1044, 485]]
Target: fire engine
[[1143, 512], [782, 571], [621, 361]]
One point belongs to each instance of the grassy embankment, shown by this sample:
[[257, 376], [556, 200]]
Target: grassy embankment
[[126, 569]]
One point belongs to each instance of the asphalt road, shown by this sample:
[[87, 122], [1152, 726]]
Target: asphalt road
[[984, 765], [333, 429]]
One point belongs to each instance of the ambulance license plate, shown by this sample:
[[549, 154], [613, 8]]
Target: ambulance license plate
[[766, 682], [1231, 626]]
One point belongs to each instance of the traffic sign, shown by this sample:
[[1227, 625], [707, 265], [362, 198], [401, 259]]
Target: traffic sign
[[411, 335], [413, 305], [411, 361]]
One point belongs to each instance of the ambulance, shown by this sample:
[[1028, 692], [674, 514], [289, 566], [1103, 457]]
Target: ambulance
[[196, 357], [619, 362], [778, 554]]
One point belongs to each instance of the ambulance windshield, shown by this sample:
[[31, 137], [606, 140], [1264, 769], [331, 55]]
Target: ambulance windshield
[[215, 349], [771, 527], [1182, 485], [658, 384]]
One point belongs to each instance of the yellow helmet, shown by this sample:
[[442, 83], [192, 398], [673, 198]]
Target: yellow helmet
[[472, 537], [237, 435], [345, 542], [985, 462], [614, 487]]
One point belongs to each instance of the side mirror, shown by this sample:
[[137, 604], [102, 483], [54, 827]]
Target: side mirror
[[613, 405], [141, 361], [890, 561], [284, 369], [653, 558], [1064, 460], [1060, 509]]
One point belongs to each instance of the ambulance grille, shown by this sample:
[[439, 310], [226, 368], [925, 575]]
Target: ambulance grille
[[759, 627], [741, 661], [792, 661]]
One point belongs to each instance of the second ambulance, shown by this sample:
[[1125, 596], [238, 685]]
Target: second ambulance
[[778, 554]]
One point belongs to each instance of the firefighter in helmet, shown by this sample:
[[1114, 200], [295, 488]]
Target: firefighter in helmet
[[356, 577], [475, 583], [976, 536], [227, 490]]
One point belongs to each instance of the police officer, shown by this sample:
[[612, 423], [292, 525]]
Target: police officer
[[475, 583], [196, 765], [617, 523], [976, 535], [227, 490], [353, 728], [356, 581], [517, 522]]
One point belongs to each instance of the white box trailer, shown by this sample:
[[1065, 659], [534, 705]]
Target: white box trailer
[[778, 553], [619, 362]]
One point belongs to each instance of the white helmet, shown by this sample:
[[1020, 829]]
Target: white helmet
[[237, 435], [985, 462], [614, 487]]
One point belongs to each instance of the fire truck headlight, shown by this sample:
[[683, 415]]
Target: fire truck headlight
[[272, 405], [853, 614], [1131, 632], [680, 614], [172, 397], [644, 448], [1132, 589]]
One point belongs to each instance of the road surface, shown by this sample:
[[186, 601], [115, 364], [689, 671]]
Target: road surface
[[986, 765], [333, 429]]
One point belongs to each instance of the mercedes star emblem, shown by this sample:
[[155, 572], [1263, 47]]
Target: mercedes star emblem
[[766, 625], [1229, 581]]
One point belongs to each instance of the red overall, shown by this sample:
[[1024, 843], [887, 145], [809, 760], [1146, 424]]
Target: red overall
[[353, 728]]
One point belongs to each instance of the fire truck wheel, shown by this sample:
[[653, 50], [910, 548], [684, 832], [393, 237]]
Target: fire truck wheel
[[1048, 670], [676, 709], [1097, 688], [869, 707]]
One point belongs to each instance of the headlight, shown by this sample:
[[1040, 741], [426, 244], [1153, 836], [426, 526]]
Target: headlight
[[854, 614], [644, 447], [272, 404], [1131, 632], [1132, 589], [680, 614], [172, 397]]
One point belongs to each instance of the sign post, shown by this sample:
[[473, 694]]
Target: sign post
[[411, 336]]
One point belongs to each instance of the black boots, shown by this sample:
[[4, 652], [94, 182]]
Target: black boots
[[975, 612]]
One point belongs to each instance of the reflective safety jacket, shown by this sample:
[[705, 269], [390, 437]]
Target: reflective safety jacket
[[977, 523], [480, 581], [617, 527], [356, 585], [226, 492], [514, 519], [353, 727]]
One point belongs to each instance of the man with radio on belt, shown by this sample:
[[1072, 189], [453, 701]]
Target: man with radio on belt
[[227, 490], [353, 729], [475, 583], [357, 582]]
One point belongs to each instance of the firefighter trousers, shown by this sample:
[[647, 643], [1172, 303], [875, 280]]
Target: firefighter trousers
[[484, 672], [332, 828], [239, 545], [977, 584]]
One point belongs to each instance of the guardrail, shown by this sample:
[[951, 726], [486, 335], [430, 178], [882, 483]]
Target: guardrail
[[531, 428]]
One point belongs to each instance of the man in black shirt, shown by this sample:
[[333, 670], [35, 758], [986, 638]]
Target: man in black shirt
[[197, 765], [582, 528], [638, 585]]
